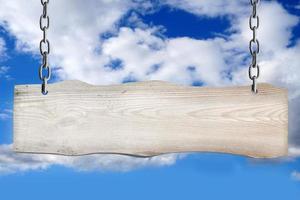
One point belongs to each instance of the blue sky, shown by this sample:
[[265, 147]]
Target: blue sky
[[137, 40]]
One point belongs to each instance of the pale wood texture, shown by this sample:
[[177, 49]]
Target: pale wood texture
[[150, 118]]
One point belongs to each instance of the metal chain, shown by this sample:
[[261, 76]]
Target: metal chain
[[44, 48], [254, 45]]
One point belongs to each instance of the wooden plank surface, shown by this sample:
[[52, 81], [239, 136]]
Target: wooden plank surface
[[150, 118]]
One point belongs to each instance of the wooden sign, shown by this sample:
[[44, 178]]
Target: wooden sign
[[150, 118]]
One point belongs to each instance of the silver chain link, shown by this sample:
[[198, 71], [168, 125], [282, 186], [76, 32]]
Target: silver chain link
[[44, 47], [254, 45]]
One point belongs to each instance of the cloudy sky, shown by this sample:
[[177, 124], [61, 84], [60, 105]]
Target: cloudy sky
[[190, 42]]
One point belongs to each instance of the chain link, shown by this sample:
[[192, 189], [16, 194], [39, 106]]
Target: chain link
[[254, 45], [44, 70]]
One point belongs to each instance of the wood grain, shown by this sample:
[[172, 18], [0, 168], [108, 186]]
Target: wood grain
[[150, 118]]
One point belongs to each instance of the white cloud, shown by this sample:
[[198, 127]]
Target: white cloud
[[294, 151], [295, 175], [2, 48], [74, 33], [77, 49], [148, 50], [5, 114], [11, 162], [215, 8], [78, 52], [3, 70]]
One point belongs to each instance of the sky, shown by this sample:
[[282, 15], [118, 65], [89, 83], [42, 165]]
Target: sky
[[116, 41]]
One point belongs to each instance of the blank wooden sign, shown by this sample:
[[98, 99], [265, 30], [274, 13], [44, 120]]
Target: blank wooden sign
[[150, 118]]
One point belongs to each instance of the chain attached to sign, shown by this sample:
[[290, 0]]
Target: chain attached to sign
[[44, 47], [254, 45]]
